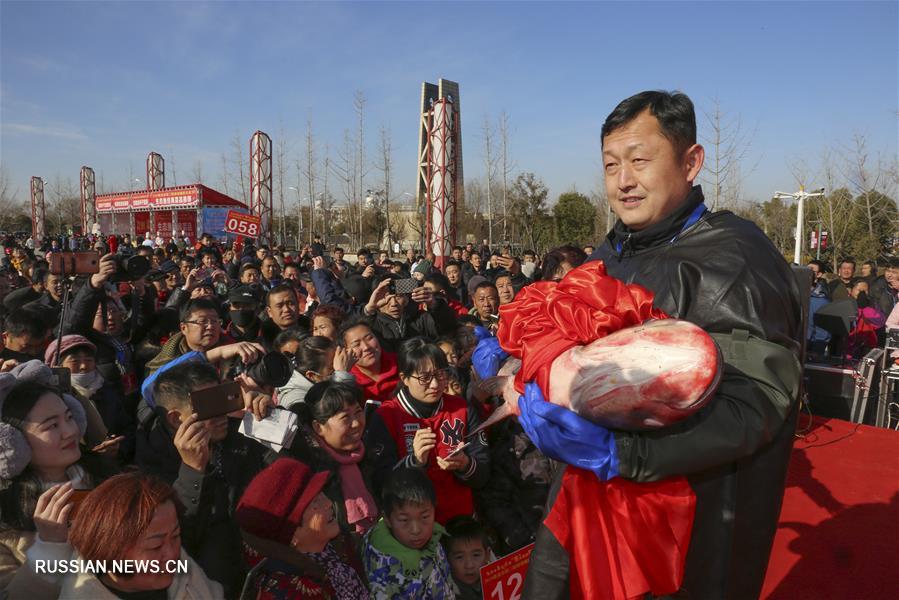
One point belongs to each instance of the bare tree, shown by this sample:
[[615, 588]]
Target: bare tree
[[11, 207], [225, 175], [240, 166], [727, 146], [327, 204], [64, 206], [282, 173], [490, 174], [171, 177], [197, 173], [345, 170], [384, 166], [359, 106], [309, 171], [506, 167], [833, 209]]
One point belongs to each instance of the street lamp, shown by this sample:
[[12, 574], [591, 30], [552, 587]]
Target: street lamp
[[299, 217], [801, 195]]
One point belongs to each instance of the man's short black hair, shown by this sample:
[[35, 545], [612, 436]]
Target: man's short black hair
[[406, 486], [485, 284], [464, 528], [172, 387], [673, 110], [281, 289], [195, 305], [40, 274], [26, 321], [439, 280], [363, 252], [848, 259], [352, 323]]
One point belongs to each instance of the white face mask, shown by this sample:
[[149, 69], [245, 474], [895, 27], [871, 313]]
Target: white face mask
[[92, 380]]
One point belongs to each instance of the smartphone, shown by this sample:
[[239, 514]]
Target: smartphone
[[75, 500], [370, 407], [217, 400], [458, 449], [63, 379], [404, 286], [74, 263]]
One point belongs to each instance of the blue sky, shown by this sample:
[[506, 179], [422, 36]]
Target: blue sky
[[103, 83]]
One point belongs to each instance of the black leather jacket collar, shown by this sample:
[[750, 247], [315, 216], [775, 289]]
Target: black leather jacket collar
[[659, 233]]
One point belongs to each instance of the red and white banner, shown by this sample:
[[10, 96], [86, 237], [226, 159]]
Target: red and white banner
[[242, 224], [144, 200]]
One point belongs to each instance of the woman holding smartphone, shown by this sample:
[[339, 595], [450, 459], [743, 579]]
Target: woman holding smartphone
[[42, 470]]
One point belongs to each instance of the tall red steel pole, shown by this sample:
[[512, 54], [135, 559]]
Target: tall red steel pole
[[88, 200], [38, 230], [261, 183], [441, 177]]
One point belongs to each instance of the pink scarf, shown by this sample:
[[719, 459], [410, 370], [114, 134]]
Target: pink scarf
[[361, 510]]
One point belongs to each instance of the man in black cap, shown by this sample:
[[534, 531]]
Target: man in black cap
[[243, 305]]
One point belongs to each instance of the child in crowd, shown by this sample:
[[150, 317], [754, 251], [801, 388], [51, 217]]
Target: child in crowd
[[467, 549], [402, 554]]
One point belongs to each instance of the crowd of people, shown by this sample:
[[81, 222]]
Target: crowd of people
[[377, 492], [875, 295]]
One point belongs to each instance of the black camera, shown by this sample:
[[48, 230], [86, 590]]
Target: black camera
[[130, 268], [273, 369]]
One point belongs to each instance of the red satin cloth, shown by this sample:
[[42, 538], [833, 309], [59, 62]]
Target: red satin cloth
[[623, 539]]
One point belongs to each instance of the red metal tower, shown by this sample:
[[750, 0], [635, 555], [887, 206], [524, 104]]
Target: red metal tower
[[37, 211], [441, 177], [261, 182], [88, 200], [155, 171]]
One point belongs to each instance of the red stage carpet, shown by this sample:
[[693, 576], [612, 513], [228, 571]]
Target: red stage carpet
[[838, 535]]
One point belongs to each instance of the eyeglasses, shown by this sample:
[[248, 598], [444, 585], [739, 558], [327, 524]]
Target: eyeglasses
[[440, 374], [204, 324]]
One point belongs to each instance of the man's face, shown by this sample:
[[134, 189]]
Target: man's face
[[291, 273], [261, 253], [816, 270], [858, 288], [410, 255], [115, 319], [249, 276], [283, 309], [208, 260], [338, 254], [866, 270], [486, 301], [172, 280], [54, 286], [530, 258], [27, 344], [847, 270], [457, 254], [476, 261], [454, 275], [646, 177], [505, 290], [186, 267], [202, 330], [396, 304], [365, 346], [270, 268], [362, 259], [494, 261], [382, 258]]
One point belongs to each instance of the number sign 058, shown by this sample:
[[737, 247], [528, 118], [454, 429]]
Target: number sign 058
[[245, 225]]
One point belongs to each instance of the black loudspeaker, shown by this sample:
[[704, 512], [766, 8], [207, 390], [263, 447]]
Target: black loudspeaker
[[849, 393]]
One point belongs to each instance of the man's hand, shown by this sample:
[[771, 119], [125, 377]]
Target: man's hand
[[51, 515], [192, 280], [192, 443], [344, 359], [109, 447], [256, 398], [318, 262], [369, 271], [422, 295], [107, 269], [458, 462], [379, 297], [8, 365], [247, 351], [138, 286], [425, 440]]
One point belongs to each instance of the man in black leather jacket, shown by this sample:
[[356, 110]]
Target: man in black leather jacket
[[722, 273]]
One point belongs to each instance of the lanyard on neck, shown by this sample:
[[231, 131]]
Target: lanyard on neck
[[691, 220]]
